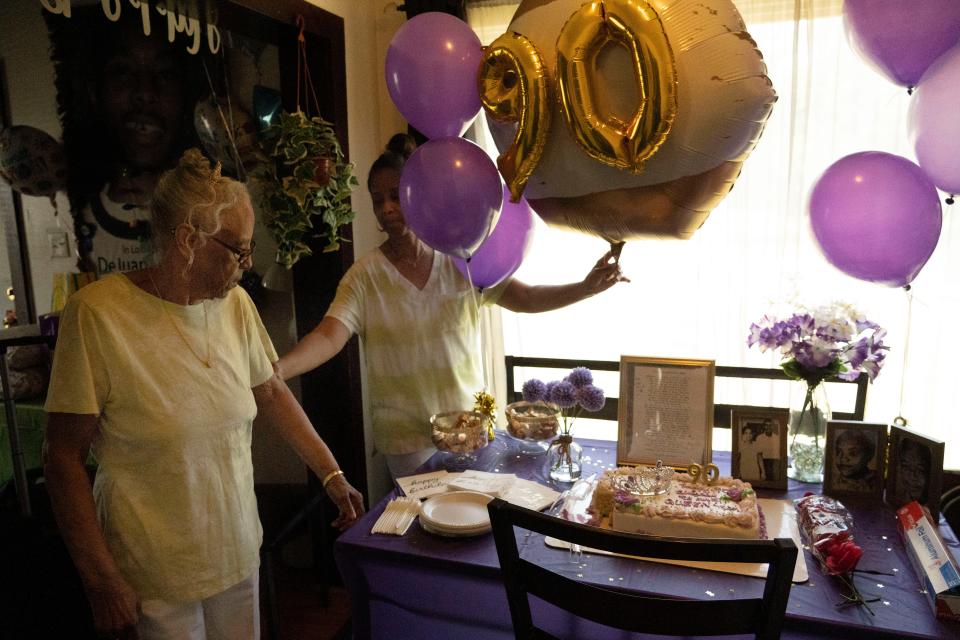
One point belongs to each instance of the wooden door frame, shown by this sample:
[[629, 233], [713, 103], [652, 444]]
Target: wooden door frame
[[331, 393]]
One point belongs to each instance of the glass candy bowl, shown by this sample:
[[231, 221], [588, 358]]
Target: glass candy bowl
[[459, 434], [533, 425]]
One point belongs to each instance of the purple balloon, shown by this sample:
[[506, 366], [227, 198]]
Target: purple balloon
[[876, 217], [450, 195], [431, 73], [933, 123], [902, 39], [500, 254]]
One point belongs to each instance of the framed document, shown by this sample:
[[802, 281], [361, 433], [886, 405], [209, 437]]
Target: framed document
[[666, 411]]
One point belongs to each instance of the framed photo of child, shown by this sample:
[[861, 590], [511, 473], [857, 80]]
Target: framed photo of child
[[855, 458], [916, 470], [759, 437]]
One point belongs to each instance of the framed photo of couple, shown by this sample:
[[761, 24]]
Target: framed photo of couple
[[855, 458], [759, 437]]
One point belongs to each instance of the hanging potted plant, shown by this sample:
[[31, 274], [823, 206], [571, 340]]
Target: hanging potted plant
[[306, 187]]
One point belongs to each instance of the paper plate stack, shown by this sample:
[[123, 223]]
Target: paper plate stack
[[456, 514]]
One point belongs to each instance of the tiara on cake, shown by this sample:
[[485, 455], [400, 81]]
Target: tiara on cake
[[646, 481]]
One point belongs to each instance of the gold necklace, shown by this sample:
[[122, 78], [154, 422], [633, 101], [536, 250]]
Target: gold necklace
[[206, 326]]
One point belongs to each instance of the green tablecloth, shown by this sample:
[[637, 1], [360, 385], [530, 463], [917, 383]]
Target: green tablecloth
[[31, 420]]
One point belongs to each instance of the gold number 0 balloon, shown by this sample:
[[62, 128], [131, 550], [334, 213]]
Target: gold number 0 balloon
[[634, 25], [514, 88]]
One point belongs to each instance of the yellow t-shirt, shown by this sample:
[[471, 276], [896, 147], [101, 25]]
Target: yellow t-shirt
[[174, 487], [421, 346]]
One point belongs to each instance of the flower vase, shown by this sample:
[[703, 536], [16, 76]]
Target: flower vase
[[563, 459], [808, 428]]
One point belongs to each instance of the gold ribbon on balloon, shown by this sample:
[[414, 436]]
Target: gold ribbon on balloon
[[636, 26], [708, 474], [513, 86]]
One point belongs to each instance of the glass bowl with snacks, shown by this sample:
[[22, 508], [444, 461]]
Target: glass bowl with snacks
[[459, 434], [532, 425]]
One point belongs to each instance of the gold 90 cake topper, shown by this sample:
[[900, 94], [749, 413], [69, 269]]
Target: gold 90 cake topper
[[708, 474]]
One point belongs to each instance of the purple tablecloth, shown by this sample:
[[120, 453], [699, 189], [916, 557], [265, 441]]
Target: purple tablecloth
[[424, 586]]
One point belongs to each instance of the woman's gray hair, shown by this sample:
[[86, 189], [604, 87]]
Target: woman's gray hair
[[193, 194]]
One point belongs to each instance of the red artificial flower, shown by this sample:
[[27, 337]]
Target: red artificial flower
[[843, 558], [826, 545]]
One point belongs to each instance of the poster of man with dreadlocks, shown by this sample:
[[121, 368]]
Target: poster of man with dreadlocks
[[125, 101]]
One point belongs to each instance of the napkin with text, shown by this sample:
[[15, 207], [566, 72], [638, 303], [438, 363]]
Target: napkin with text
[[507, 486]]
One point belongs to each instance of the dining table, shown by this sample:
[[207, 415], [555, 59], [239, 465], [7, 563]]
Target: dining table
[[422, 585]]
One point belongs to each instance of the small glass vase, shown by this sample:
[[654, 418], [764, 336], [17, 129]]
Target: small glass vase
[[808, 428], [564, 459]]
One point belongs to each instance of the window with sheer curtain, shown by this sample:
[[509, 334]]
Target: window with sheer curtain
[[756, 254]]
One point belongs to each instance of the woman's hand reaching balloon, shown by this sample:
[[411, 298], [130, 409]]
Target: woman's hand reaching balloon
[[605, 273]]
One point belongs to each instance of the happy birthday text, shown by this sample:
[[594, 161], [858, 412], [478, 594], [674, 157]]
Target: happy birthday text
[[182, 16]]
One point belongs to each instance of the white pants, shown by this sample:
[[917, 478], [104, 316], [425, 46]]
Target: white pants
[[233, 614], [404, 464]]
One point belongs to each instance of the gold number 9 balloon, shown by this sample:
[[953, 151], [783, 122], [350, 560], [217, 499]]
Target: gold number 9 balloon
[[513, 88], [662, 101]]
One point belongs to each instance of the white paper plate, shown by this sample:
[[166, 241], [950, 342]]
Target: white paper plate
[[455, 533], [456, 511]]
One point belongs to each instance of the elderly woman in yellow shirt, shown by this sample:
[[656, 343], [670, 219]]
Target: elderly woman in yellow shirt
[[161, 372]]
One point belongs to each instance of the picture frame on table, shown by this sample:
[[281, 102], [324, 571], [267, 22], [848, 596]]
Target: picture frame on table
[[759, 438], [915, 465], [665, 411], [855, 458]]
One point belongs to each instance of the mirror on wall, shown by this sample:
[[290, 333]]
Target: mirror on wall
[[98, 99]]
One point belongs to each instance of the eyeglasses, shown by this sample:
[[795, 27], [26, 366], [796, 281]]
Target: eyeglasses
[[242, 255]]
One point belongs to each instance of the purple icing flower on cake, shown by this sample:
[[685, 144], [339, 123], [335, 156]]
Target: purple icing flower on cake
[[733, 494], [625, 498]]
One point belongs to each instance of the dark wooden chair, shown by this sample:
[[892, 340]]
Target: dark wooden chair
[[950, 503], [721, 412], [632, 611]]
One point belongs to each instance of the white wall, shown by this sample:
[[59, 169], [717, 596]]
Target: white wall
[[32, 99], [369, 25]]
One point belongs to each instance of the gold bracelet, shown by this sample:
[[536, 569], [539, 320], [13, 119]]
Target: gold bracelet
[[330, 476]]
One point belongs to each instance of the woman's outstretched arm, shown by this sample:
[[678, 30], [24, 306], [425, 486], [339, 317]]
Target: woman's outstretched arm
[[524, 298], [325, 341]]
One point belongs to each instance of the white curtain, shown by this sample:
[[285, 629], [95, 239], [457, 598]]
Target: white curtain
[[756, 254]]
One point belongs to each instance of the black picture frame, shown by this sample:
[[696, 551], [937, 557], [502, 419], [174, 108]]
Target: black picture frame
[[855, 458], [770, 472], [914, 460]]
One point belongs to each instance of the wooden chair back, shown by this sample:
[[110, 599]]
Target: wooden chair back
[[721, 417], [634, 611]]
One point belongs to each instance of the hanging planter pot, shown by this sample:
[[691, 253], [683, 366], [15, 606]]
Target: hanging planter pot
[[325, 170]]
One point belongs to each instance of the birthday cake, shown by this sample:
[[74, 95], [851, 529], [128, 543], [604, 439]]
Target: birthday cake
[[683, 508]]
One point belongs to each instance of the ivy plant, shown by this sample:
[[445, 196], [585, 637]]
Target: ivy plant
[[306, 185]]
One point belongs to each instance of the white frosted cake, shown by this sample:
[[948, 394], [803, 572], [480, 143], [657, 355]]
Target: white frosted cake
[[688, 509]]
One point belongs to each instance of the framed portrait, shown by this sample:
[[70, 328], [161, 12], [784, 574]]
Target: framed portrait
[[665, 411], [759, 437], [855, 458], [915, 470]]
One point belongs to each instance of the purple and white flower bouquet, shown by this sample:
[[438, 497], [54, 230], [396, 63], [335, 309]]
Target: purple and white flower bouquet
[[832, 341]]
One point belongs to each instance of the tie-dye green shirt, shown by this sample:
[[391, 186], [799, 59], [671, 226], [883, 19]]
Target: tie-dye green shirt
[[421, 346]]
